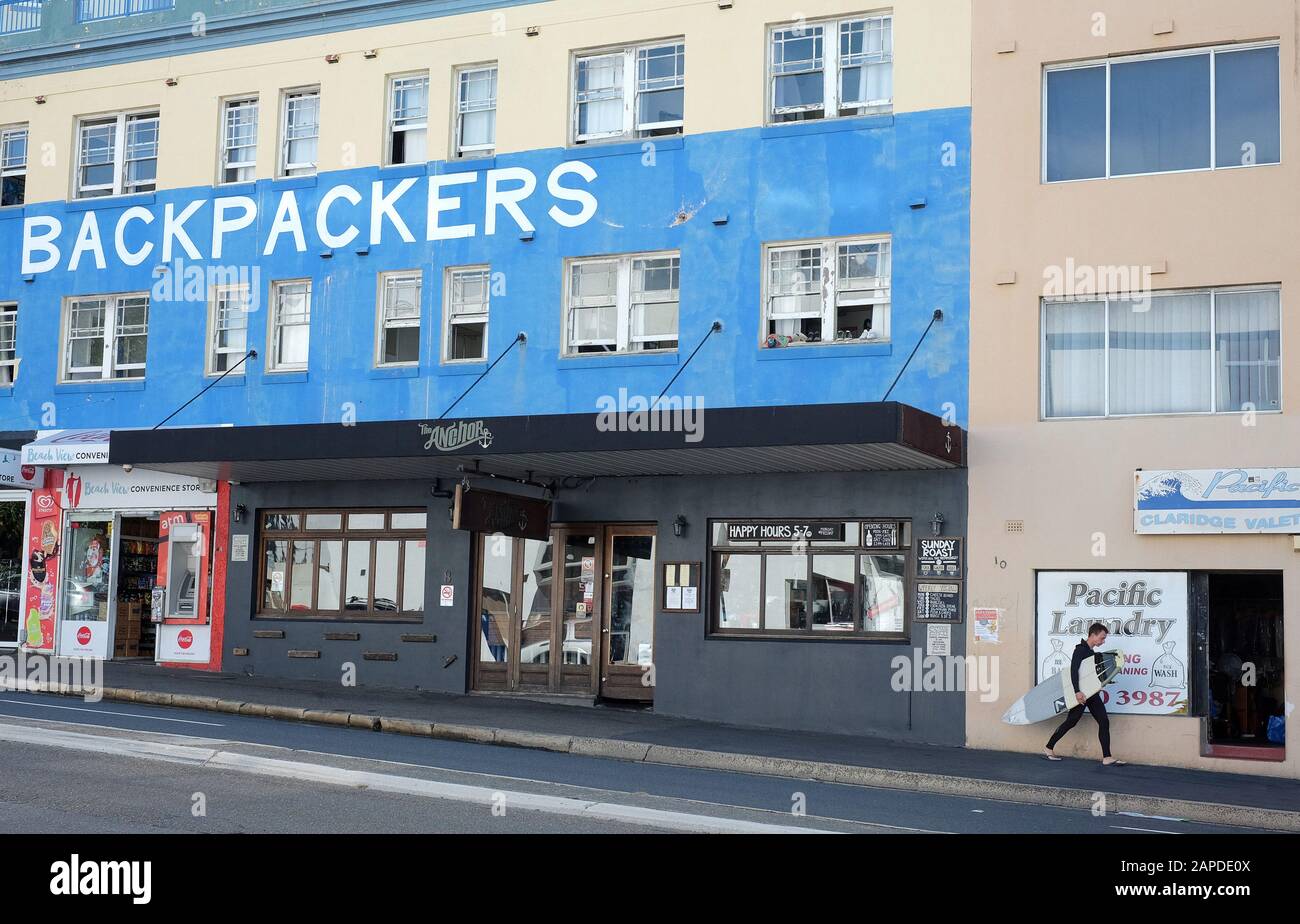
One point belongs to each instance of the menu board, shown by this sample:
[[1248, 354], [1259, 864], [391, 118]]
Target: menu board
[[938, 602], [938, 557]]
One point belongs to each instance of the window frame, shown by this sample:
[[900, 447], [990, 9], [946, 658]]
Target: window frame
[[832, 69], [9, 335], [6, 172], [623, 305], [1107, 63], [1107, 298], [459, 150], [774, 548], [119, 185], [283, 168], [214, 314], [113, 304], [631, 129], [830, 257], [391, 128], [382, 320], [343, 535], [450, 319], [227, 106], [273, 326]]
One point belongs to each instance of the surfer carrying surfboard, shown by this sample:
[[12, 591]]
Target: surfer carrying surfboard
[[1082, 652]]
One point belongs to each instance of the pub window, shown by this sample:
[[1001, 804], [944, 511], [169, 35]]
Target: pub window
[[13, 165], [476, 111], [635, 92], [342, 564], [228, 328], [835, 291], [468, 299], [622, 304], [117, 154], [290, 325], [239, 140], [813, 579], [300, 132], [105, 337], [831, 69], [8, 343], [399, 319], [408, 119]]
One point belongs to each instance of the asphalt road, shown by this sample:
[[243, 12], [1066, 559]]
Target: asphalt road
[[123, 768]]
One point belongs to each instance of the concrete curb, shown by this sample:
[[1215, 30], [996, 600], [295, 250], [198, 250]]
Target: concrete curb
[[642, 752]]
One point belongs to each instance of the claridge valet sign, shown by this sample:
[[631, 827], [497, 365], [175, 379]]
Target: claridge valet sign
[[1211, 501]]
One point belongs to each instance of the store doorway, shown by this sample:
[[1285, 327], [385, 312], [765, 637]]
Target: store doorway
[[580, 622], [1245, 663], [135, 632], [13, 519]]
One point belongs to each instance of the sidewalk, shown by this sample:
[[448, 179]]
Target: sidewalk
[[639, 734]]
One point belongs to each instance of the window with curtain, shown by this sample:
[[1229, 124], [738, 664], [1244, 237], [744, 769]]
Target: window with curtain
[[1210, 351]]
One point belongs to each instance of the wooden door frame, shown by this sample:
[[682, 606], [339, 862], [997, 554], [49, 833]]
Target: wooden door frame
[[620, 681]]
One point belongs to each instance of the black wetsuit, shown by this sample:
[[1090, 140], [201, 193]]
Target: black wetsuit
[[1083, 652]]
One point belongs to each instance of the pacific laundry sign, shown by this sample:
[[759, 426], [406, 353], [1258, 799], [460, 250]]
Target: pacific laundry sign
[[345, 213]]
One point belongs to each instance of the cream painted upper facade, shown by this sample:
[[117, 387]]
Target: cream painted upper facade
[[725, 79], [1071, 481]]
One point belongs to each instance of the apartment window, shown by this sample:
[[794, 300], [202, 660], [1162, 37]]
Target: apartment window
[[399, 319], [228, 329], [8, 343], [622, 304], [1194, 352], [301, 132], [476, 111], [117, 154], [834, 291], [408, 119], [830, 69], [290, 325], [810, 579], [13, 165], [105, 337], [343, 564], [468, 297], [1198, 109], [635, 92], [239, 140]]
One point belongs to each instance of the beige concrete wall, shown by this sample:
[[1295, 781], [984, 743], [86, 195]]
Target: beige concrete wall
[[1068, 480], [725, 89]]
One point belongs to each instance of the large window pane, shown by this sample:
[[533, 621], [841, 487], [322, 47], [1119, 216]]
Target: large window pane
[[386, 575], [1076, 123], [1246, 106], [329, 567], [276, 563], [739, 597], [304, 557], [786, 592], [832, 593], [497, 582], [358, 583], [1160, 355], [535, 615], [1074, 359], [1160, 115], [413, 576], [1248, 349], [883, 596]]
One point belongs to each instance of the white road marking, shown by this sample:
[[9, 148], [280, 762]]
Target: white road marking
[[1148, 830], [202, 756], [131, 715], [1152, 817]]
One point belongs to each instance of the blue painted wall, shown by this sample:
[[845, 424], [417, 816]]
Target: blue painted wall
[[774, 184]]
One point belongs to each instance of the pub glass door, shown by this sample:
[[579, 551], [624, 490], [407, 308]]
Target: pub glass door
[[626, 668]]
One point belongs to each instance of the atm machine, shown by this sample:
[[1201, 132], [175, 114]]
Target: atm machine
[[181, 597]]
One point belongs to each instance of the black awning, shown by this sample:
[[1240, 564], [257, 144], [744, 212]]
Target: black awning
[[878, 436]]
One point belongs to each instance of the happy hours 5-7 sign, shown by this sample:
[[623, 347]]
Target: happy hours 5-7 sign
[[1146, 615]]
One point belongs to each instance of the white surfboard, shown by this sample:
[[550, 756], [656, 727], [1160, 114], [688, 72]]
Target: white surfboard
[[1055, 694]]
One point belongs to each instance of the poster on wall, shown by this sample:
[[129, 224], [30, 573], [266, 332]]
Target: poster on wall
[[37, 630], [1146, 614]]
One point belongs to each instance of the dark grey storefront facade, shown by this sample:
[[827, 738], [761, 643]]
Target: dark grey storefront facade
[[749, 469]]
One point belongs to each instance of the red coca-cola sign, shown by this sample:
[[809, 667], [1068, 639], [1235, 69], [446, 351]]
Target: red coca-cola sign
[[83, 635], [29, 472], [185, 638]]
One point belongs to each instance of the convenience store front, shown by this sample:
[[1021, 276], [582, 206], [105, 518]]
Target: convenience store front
[[119, 560]]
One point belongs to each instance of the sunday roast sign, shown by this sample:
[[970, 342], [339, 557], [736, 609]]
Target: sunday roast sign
[[1146, 615]]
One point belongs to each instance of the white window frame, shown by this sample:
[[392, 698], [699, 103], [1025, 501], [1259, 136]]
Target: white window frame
[[273, 327], [624, 304], [219, 304], [831, 68], [111, 333], [1106, 299], [452, 318], [10, 168], [119, 185], [1107, 63], [880, 296], [394, 123], [9, 358], [460, 108], [224, 163], [284, 167], [631, 88], [383, 323]]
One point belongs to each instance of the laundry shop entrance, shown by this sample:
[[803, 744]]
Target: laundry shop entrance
[[571, 614]]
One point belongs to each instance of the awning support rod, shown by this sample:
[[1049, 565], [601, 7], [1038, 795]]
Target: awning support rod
[[250, 353], [520, 337], [938, 316], [713, 329]]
